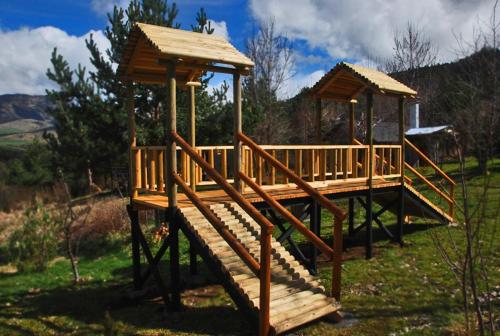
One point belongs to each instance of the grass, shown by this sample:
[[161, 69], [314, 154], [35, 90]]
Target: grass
[[401, 291], [8, 131]]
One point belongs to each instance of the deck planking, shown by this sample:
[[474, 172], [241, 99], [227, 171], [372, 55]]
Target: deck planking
[[278, 192]]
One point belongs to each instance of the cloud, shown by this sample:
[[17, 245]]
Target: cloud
[[220, 28], [25, 56], [102, 7], [361, 29], [296, 83]]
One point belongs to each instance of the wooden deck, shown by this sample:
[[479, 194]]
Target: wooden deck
[[278, 192]]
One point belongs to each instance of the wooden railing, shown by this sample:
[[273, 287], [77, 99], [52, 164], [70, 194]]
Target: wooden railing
[[148, 169], [262, 269], [311, 162], [443, 192], [387, 161], [338, 214]]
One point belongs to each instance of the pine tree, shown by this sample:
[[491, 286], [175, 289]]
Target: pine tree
[[91, 121]]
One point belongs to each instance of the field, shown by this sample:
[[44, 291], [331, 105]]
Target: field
[[401, 291]]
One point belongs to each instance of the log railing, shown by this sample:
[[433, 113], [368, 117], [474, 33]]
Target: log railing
[[310, 162], [387, 161], [443, 192], [262, 269], [338, 214]]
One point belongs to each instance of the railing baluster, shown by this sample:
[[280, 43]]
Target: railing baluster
[[286, 163], [152, 169], [224, 163], [310, 164], [161, 172]]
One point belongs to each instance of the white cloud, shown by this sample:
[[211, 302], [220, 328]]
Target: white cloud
[[25, 56], [102, 7], [220, 28], [301, 80], [361, 29]]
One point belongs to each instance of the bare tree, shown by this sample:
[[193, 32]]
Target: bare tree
[[412, 50], [273, 57]]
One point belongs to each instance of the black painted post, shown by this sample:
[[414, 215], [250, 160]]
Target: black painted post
[[401, 205], [351, 217], [174, 261], [193, 266], [315, 226], [136, 251], [369, 197]]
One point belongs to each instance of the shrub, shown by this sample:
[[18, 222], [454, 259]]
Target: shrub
[[35, 243]]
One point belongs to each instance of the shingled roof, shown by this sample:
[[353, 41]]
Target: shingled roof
[[346, 81], [148, 45]]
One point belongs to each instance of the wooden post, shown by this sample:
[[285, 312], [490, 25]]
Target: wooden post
[[171, 171], [352, 134], [237, 129], [132, 136], [193, 269], [171, 157], [401, 205], [369, 197], [318, 121], [265, 281], [192, 134]]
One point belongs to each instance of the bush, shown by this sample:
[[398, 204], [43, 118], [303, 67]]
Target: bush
[[35, 243]]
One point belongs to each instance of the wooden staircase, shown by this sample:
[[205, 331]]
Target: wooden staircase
[[296, 297]]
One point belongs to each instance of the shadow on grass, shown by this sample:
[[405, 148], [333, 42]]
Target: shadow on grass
[[99, 307]]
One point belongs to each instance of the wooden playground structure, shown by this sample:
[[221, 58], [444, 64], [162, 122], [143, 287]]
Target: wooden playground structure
[[233, 197]]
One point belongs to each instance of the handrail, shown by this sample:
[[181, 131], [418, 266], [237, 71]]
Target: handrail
[[429, 183], [228, 188], [265, 234], [429, 162], [219, 226], [336, 211], [320, 244]]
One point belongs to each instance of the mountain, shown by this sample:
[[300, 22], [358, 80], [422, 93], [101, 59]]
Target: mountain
[[20, 106]]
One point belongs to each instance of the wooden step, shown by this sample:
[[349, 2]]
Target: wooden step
[[296, 297]]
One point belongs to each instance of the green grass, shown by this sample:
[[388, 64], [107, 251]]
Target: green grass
[[400, 291], [8, 131], [14, 143]]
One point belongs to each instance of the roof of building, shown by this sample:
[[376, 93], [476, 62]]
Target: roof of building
[[346, 81], [148, 45], [426, 130]]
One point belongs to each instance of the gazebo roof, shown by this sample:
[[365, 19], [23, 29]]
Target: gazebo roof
[[150, 47], [346, 81]]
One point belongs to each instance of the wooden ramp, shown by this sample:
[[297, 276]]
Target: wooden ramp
[[296, 296], [416, 205]]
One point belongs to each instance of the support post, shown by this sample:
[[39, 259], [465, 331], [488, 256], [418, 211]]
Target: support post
[[318, 121], [175, 279], [136, 252], [192, 135], [401, 205], [352, 136], [171, 157], [315, 226], [337, 258], [132, 141], [369, 197], [237, 129]]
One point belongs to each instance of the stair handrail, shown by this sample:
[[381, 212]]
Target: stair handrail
[[429, 162], [312, 192], [267, 227], [448, 195], [308, 234]]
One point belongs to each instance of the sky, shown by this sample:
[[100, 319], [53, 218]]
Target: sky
[[323, 32]]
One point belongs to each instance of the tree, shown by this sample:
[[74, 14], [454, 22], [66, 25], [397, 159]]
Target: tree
[[91, 121], [273, 58]]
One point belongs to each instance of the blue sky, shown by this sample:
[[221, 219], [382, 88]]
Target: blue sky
[[322, 31]]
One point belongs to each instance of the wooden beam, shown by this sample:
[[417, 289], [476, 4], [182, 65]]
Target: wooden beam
[[237, 128], [369, 198], [171, 157], [401, 205], [132, 140], [352, 108], [329, 81], [192, 135], [208, 67]]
